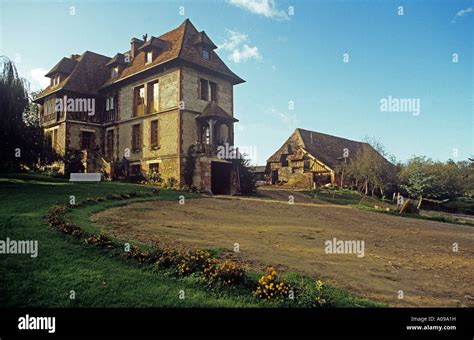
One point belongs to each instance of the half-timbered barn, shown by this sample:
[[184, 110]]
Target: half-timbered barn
[[316, 155]]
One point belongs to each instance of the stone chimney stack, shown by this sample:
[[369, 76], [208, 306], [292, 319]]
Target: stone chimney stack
[[134, 46]]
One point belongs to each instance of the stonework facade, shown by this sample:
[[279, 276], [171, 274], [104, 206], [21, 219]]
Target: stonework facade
[[151, 105]]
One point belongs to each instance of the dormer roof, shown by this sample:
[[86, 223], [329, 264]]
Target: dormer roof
[[65, 66], [201, 38], [155, 43], [119, 59]]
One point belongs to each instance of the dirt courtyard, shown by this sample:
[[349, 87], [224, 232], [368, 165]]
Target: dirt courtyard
[[401, 254]]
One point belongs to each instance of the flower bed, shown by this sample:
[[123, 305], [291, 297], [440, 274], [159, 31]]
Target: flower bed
[[216, 273]]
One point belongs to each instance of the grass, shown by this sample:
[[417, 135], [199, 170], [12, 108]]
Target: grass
[[354, 199], [64, 264], [97, 277]]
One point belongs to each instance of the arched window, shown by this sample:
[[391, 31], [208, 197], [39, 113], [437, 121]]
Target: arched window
[[205, 134], [223, 134]]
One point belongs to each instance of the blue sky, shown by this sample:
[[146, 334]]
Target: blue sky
[[291, 58]]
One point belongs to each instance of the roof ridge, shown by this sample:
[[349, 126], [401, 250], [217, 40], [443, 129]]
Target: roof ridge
[[186, 24], [332, 136]]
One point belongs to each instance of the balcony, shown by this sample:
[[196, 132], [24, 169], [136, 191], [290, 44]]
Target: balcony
[[109, 116], [84, 117]]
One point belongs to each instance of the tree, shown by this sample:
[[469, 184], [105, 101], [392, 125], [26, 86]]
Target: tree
[[416, 178], [13, 101], [421, 177], [371, 170], [246, 177], [23, 139]]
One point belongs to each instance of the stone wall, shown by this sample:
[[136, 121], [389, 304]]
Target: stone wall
[[61, 145], [190, 91], [73, 135], [167, 154]]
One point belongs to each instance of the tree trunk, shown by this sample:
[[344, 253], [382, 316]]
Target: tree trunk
[[419, 203], [366, 187]]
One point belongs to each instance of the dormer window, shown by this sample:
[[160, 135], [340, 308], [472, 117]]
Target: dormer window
[[205, 54], [115, 71], [55, 80], [148, 57]]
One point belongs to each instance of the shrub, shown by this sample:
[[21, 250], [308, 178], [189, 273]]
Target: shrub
[[270, 287], [73, 162], [113, 197], [310, 295], [142, 257], [194, 261], [101, 241], [171, 182], [169, 258], [246, 176], [153, 178], [226, 273], [56, 215]]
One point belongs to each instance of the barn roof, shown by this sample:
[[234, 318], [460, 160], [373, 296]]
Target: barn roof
[[326, 148]]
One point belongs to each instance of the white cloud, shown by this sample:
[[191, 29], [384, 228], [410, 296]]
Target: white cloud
[[286, 118], [37, 75], [267, 8], [239, 53], [234, 40], [245, 53], [462, 13]]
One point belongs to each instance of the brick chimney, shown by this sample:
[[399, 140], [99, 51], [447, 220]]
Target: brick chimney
[[134, 46]]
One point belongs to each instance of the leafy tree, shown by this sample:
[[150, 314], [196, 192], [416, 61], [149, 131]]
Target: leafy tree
[[371, 170], [24, 144], [421, 177], [416, 178], [247, 177]]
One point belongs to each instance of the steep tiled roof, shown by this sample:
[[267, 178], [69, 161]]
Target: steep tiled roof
[[329, 149], [86, 77], [190, 53], [325, 148], [202, 38], [177, 44], [118, 59], [154, 42], [65, 65], [89, 73], [214, 110]]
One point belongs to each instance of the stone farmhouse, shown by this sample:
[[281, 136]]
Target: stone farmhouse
[[148, 104], [316, 155]]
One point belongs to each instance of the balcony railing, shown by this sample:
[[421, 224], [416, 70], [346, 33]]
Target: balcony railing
[[109, 116], [85, 117]]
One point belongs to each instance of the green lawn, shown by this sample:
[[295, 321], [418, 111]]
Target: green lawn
[[100, 278], [64, 264]]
